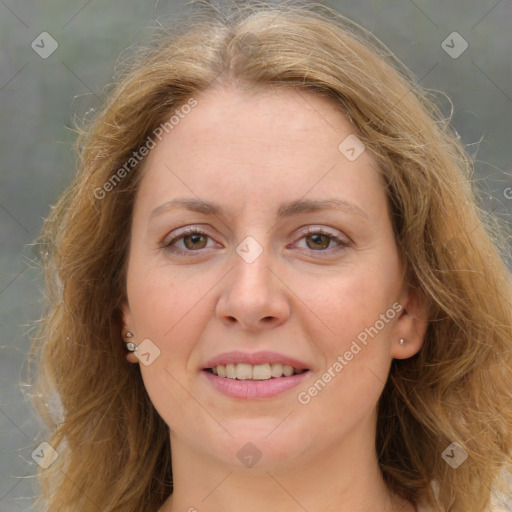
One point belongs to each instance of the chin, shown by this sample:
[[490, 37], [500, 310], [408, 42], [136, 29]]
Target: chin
[[270, 441]]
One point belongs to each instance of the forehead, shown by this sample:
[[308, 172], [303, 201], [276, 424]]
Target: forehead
[[250, 119], [247, 146]]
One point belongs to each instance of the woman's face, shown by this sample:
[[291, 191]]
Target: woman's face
[[253, 174]]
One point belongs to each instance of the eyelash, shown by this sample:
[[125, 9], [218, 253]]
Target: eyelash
[[342, 244]]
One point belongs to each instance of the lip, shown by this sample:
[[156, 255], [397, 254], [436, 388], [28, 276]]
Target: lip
[[251, 389], [261, 357]]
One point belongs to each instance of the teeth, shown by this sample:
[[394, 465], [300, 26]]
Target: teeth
[[231, 371], [276, 370], [244, 371], [261, 371], [287, 370]]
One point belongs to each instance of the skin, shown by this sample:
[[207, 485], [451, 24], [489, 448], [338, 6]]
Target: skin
[[250, 152]]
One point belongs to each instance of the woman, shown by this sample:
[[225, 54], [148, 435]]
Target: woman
[[271, 266]]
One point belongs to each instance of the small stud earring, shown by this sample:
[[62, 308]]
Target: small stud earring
[[131, 347], [402, 341]]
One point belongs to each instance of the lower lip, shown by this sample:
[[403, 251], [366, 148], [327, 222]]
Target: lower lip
[[249, 389]]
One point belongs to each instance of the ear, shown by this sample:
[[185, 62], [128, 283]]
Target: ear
[[128, 326], [412, 323]]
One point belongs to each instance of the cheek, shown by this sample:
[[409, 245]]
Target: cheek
[[351, 303], [168, 308], [161, 298], [358, 317]]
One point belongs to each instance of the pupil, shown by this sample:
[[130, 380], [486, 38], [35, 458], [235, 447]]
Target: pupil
[[194, 238], [316, 237]]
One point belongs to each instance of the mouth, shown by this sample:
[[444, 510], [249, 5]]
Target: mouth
[[257, 372], [260, 375]]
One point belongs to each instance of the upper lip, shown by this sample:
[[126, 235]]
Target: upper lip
[[254, 358]]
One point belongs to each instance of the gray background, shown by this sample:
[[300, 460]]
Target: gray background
[[39, 97]]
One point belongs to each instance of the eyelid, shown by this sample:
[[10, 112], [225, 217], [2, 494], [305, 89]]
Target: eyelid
[[183, 231], [316, 228]]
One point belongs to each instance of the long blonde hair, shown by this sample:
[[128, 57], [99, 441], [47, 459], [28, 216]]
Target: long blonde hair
[[114, 452]]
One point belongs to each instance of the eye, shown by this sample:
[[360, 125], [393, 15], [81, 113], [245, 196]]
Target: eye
[[319, 240], [193, 240]]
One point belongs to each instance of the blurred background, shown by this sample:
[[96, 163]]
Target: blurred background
[[57, 57]]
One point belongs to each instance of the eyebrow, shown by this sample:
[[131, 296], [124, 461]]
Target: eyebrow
[[285, 209]]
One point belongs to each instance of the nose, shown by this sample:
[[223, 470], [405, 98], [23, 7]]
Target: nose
[[254, 296]]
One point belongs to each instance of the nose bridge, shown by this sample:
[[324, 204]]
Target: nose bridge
[[252, 295], [252, 262], [251, 275]]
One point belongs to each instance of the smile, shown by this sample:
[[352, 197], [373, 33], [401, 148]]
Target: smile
[[244, 375], [244, 371]]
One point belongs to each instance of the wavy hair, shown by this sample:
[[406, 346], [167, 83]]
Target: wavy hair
[[114, 451]]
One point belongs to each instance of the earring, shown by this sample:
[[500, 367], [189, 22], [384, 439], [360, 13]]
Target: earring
[[130, 346], [402, 341]]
